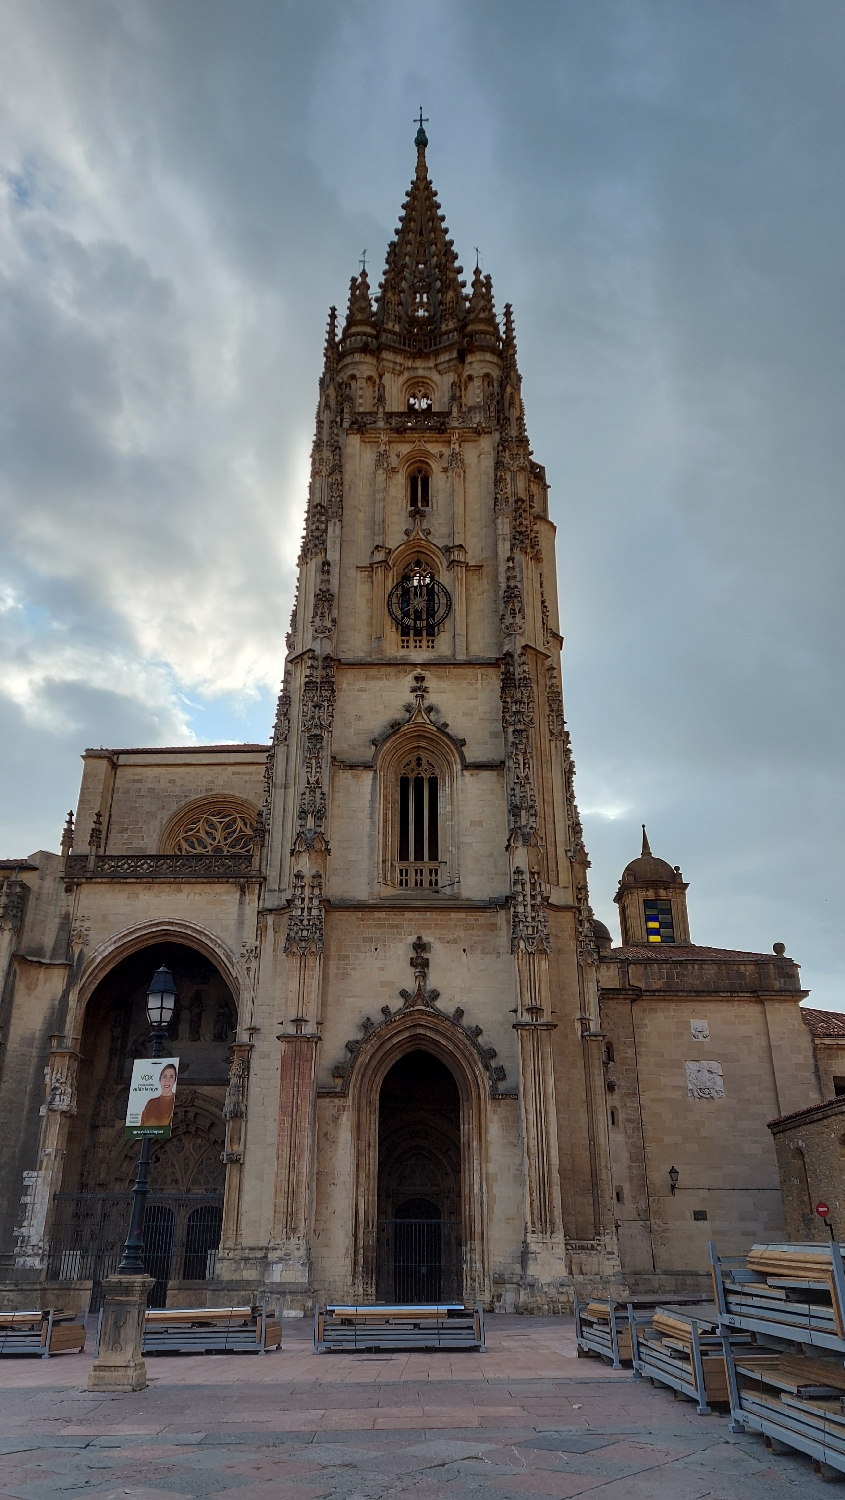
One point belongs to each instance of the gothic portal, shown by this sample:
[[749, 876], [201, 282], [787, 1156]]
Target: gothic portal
[[412, 1064]]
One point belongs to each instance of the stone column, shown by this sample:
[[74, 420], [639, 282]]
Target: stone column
[[290, 1252], [119, 1365], [457, 552], [379, 575], [13, 895], [234, 1113], [545, 1245], [458, 568], [57, 1110]]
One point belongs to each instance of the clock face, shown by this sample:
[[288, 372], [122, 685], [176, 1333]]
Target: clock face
[[419, 602]]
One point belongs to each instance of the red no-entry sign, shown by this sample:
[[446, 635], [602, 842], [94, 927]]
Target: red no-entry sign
[[822, 1210]]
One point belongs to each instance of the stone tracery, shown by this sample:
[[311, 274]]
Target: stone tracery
[[216, 824]]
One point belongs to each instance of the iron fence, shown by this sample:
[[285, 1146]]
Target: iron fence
[[419, 1260], [181, 1239]]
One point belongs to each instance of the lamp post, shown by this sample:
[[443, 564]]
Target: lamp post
[[674, 1174], [161, 1001]]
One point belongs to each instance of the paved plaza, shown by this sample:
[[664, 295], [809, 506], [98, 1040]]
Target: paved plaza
[[527, 1418]]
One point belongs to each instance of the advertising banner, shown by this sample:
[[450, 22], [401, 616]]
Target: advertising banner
[[152, 1095]]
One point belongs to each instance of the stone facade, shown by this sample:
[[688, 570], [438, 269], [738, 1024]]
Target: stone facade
[[395, 1008], [827, 1028], [810, 1146]]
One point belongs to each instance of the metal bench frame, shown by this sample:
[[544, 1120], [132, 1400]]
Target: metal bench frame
[[366, 1328]]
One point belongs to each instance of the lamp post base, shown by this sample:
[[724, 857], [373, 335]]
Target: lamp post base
[[119, 1365]]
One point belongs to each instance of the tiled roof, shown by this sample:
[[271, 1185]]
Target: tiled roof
[[824, 1022], [683, 952], [824, 1110]]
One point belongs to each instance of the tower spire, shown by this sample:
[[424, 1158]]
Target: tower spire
[[646, 849], [422, 294], [421, 141]]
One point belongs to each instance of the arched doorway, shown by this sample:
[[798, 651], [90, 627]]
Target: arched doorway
[[184, 1210], [419, 1182]]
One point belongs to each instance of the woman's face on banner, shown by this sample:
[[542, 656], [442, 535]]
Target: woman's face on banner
[[167, 1080]]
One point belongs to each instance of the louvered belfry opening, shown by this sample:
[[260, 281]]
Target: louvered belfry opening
[[419, 825]]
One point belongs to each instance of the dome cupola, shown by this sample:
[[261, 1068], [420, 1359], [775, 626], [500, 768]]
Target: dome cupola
[[652, 901]]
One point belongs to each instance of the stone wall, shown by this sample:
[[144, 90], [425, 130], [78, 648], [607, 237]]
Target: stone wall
[[704, 1052], [810, 1148]]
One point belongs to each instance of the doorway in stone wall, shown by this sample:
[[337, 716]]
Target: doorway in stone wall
[[90, 1215], [419, 1183]]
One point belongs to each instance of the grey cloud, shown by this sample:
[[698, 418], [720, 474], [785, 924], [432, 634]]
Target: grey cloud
[[657, 187]]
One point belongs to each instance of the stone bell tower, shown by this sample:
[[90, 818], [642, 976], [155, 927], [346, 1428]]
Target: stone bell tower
[[420, 814]]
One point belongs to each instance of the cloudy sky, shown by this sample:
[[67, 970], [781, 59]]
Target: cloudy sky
[[657, 186]]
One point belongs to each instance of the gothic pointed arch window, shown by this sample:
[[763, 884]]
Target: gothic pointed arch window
[[418, 865], [419, 487], [418, 604], [420, 399], [417, 790]]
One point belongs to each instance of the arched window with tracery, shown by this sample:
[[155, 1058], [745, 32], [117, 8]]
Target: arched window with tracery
[[418, 605], [420, 399], [418, 826], [419, 488], [211, 825], [418, 865]]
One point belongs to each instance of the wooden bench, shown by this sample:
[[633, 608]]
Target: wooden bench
[[367, 1328], [43, 1332], [211, 1330]]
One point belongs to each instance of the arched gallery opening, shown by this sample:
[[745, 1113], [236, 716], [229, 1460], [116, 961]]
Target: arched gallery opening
[[185, 1206], [419, 1182]]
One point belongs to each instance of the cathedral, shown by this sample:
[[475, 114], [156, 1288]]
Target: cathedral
[[412, 1065]]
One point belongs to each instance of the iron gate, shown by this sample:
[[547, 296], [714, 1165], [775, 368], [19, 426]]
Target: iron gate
[[419, 1260], [181, 1239]]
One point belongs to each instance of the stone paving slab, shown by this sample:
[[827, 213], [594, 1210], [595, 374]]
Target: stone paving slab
[[526, 1420]]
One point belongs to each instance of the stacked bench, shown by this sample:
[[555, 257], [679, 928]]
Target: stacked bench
[[791, 1386], [681, 1347], [44, 1332], [602, 1327], [368, 1328], [210, 1330]]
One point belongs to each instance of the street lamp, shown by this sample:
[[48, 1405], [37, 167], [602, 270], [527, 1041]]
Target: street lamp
[[674, 1174], [161, 1003]]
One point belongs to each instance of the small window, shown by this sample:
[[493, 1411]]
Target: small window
[[700, 1214], [608, 1052], [419, 826], [838, 1087], [659, 926], [614, 1118], [620, 1196], [419, 489]]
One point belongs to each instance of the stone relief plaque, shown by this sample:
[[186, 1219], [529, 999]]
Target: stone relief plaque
[[704, 1080], [700, 1031]]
